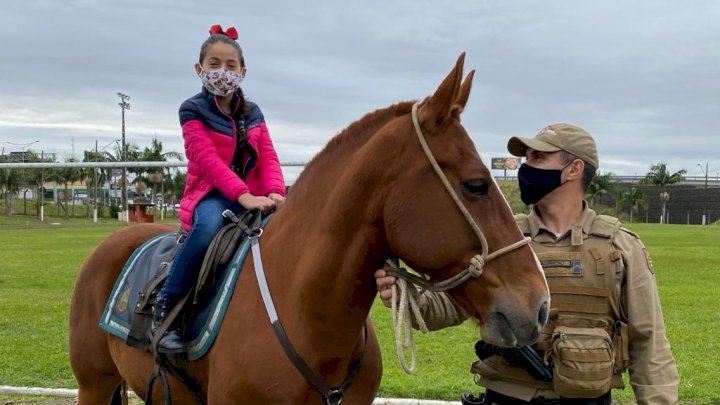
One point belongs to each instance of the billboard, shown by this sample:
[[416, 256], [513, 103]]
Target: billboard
[[505, 163]]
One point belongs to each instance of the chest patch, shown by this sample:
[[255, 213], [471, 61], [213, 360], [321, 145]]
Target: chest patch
[[561, 264]]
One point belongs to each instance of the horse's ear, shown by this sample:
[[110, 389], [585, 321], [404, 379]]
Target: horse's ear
[[465, 90], [437, 110]]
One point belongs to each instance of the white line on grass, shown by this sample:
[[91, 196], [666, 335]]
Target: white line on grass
[[71, 393]]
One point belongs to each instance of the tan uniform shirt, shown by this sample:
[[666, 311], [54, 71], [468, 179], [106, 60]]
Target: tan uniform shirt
[[653, 372]]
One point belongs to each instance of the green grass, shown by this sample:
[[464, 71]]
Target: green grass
[[38, 268]]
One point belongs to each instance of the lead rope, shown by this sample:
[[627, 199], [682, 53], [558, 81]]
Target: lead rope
[[401, 323], [408, 299]]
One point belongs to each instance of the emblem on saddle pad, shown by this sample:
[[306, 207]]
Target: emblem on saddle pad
[[122, 302]]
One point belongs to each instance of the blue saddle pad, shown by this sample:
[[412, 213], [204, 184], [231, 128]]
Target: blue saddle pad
[[142, 265]]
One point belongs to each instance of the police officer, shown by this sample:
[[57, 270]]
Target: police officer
[[605, 311]]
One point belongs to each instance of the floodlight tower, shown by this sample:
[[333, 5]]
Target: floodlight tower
[[124, 105]]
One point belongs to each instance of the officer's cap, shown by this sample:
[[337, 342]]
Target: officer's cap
[[557, 137]]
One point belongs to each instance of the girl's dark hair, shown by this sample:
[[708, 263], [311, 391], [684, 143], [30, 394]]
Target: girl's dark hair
[[215, 38]]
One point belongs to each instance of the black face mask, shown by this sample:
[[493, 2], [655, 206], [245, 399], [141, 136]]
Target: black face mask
[[537, 183]]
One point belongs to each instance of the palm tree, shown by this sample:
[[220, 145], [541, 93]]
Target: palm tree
[[635, 198], [601, 184], [95, 176], [659, 176], [174, 186], [132, 152], [155, 175]]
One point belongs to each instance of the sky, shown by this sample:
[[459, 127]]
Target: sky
[[642, 77]]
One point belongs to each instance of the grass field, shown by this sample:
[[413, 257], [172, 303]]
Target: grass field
[[38, 268]]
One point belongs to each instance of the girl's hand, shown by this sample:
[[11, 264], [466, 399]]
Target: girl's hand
[[250, 202], [279, 200]]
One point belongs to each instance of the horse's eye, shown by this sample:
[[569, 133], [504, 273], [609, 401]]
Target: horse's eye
[[477, 187]]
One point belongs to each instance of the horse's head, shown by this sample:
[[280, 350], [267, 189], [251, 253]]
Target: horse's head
[[428, 230]]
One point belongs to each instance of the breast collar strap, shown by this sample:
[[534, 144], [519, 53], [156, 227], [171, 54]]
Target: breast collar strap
[[333, 396]]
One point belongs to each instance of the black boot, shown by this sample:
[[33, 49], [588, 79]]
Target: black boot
[[171, 342]]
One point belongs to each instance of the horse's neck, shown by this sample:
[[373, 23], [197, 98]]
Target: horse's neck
[[329, 269], [329, 243]]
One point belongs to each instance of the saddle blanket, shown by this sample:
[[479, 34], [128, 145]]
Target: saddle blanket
[[142, 265]]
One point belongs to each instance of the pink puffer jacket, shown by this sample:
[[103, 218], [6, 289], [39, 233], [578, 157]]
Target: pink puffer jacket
[[209, 146]]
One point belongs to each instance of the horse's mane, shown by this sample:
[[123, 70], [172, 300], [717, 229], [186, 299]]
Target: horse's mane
[[353, 137]]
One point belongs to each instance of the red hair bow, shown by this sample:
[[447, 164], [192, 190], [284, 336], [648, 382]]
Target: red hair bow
[[231, 32]]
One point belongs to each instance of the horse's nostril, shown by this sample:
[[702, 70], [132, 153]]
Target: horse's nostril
[[543, 314]]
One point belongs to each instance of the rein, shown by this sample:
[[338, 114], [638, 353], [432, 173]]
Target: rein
[[408, 301], [333, 396]]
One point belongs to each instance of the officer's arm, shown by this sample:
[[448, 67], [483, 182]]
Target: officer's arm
[[653, 372], [439, 311]]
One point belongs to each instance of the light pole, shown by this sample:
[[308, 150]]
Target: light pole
[[705, 172], [124, 105]]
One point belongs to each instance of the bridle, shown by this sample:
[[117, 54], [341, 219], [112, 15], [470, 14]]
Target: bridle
[[477, 262], [474, 269]]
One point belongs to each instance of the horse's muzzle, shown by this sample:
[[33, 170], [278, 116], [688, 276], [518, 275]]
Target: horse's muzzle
[[509, 327]]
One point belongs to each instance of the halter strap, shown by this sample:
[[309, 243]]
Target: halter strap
[[477, 262]]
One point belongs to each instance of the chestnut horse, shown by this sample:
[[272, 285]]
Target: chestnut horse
[[368, 195]]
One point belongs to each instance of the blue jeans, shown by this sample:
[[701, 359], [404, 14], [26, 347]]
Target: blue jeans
[[207, 222]]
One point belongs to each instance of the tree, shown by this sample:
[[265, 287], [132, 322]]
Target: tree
[[601, 184], [155, 175], [174, 186], [64, 176], [10, 181], [34, 178], [96, 176], [659, 176], [635, 199]]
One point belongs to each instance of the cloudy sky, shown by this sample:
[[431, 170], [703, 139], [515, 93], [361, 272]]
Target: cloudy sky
[[642, 76]]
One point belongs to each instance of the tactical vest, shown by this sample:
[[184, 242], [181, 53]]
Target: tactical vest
[[584, 279]]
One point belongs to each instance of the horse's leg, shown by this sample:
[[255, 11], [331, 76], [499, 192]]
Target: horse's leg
[[90, 358], [96, 374]]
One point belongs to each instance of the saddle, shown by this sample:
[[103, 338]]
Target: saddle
[[128, 312]]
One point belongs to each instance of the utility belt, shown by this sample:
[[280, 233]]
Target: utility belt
[[579, 362], [491, 397]]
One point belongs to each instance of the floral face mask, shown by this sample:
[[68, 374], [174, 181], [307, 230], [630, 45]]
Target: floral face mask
[[221, 82]]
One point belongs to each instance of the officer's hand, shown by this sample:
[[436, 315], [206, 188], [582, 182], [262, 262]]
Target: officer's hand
[[384, 282]]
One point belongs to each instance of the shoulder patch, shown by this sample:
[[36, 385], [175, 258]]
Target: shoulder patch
[[636, 240], [648, 259]]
